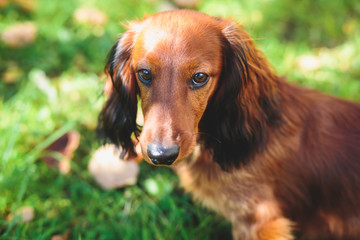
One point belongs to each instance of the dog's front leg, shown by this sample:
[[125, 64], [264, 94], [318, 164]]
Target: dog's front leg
[[275, 229]]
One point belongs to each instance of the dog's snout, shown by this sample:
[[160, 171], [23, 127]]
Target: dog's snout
[[162, 155]]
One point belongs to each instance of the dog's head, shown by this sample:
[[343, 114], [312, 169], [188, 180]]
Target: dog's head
[[190, 71]]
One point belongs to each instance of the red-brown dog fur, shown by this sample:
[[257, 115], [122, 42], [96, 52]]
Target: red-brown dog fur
[[277, 160]]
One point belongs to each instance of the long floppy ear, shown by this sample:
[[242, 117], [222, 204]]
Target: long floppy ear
[[117, 119], [245, 104]]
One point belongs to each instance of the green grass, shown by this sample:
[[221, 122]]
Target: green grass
[[58, 87], [74, 202]]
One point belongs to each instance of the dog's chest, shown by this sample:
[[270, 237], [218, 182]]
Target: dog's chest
[[234, 195]]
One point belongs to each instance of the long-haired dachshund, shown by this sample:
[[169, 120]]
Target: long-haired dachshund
[[277, 160]]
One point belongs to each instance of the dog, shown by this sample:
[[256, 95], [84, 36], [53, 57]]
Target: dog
[[277, 160]]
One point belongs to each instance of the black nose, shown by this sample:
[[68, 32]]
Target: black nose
[[164, 155]]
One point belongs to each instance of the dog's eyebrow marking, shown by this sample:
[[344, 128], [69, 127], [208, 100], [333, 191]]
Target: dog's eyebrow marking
[[153, 36], [153, 39]]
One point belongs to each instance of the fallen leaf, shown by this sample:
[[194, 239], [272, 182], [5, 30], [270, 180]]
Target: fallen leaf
[[12, 74], [90, 16], [166, 6], [187, 3], [26, 214], [4, 3], [110, 171], [65, 147], [19, 35], [64, 236], [27, 5]]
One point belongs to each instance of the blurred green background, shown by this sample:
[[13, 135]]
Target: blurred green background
[[52, 55]]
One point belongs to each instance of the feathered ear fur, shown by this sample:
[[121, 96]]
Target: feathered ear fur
[[117, 119], [245, 104]]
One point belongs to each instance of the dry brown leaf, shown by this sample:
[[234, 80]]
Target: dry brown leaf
[[12, 74], [27, 5], [187, 3], [4, 3], [64, 236], [110, 171], [26, 214], [65, 146], [19, 35], [91, 16]]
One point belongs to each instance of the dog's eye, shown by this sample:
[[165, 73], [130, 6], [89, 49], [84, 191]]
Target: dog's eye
[[198, 80], [145, 76]]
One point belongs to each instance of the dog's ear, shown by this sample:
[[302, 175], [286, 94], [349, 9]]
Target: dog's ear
[[245, 103], [117, 119]]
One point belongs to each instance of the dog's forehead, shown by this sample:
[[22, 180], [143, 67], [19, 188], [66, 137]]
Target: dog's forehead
[[179, 33]]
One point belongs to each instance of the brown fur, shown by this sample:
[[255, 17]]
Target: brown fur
[[277, 160]]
